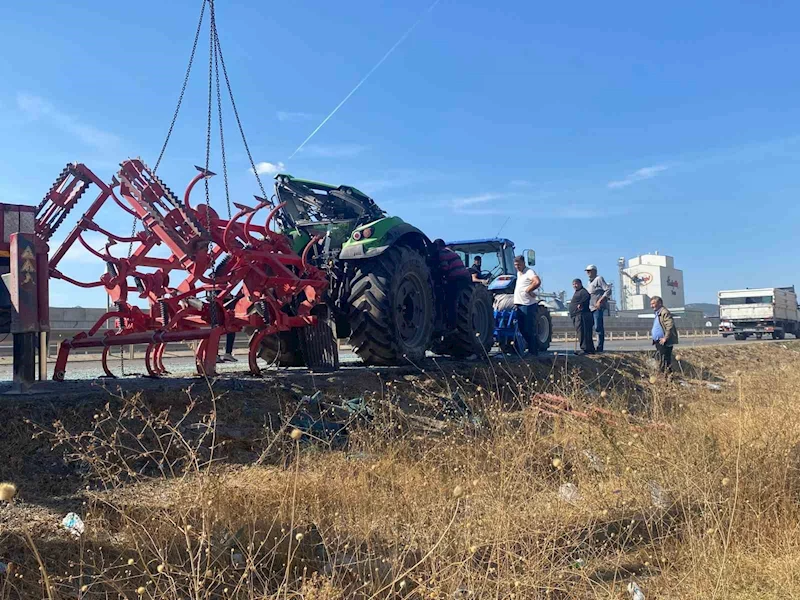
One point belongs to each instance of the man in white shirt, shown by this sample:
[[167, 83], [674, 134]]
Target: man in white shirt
[[526, 302]]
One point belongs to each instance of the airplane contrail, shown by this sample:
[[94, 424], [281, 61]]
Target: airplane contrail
[[363, 79]]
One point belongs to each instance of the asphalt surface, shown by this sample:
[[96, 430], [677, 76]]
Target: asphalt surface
[[184, 365]]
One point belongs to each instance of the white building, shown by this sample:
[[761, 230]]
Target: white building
[[647, 276]]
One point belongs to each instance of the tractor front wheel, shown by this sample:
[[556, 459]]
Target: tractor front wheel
[[391, 307]]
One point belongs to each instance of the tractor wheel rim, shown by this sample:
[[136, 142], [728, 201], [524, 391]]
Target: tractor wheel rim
[[409, 310]]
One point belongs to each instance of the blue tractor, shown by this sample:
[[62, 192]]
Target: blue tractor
[[497, 270]]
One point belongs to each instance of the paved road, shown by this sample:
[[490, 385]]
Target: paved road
[[184, 365]]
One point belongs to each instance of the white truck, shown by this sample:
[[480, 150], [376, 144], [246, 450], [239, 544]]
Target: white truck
[[743, 313]]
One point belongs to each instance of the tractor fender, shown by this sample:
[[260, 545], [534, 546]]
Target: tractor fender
[[404, 234]]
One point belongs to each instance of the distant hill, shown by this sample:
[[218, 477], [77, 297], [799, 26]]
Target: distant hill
[[709, 310]]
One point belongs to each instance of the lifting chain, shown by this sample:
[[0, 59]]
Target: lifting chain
[[166, 142], [215, 61], [212, 48]]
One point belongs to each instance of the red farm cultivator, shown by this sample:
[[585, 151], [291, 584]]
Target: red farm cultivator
[[221, 275], [198, 276]]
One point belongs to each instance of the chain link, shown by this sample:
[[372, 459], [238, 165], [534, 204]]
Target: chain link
[[215, 60], [212, 51]]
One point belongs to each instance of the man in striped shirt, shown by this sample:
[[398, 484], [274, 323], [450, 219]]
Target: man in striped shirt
[[450, 264], [451, 276]]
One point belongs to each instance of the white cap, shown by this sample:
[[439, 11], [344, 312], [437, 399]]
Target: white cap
[[591, 268]]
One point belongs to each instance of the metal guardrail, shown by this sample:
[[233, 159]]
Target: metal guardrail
[[615, 336]]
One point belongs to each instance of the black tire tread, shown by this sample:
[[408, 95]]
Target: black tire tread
[[373, 335], [461, 341]]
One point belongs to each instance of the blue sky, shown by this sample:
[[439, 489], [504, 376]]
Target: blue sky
[[592, 130]]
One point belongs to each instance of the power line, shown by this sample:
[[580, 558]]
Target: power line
[[367, 76]]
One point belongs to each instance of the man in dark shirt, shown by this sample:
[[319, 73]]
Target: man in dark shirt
[[475, 270], [580, 311]]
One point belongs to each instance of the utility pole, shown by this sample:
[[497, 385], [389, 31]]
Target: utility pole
[[623, 303]]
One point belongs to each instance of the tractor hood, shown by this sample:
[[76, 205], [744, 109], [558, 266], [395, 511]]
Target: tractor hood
[[503, 284]]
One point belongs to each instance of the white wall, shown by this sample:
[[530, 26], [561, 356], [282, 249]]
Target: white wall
[[658, 277], [641, 302]]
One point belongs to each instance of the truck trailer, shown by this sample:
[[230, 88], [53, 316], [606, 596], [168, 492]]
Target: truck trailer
[[759, 311]]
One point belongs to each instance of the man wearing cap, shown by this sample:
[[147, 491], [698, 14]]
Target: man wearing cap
[[600, 292]]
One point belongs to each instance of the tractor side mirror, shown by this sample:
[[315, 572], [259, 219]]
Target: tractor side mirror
[[531, 257]]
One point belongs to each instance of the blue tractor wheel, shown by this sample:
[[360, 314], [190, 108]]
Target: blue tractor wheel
[[509, 337]]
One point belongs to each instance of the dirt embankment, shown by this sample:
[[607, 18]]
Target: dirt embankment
[[249, 410]]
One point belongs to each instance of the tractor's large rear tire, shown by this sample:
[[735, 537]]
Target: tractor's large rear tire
[[474, 324], [392, 307]]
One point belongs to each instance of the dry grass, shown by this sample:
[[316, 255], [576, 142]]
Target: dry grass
[[516, 504]]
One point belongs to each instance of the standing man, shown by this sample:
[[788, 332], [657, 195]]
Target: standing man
[[582, 317], [665, 334], [230, 339], [600, 292], [475, 269], [453, 275], [526, 302], [450, 264]]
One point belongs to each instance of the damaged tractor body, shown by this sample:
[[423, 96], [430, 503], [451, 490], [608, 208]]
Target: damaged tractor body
[[386, 290]]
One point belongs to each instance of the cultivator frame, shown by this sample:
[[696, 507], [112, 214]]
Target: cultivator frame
[[249, 275]]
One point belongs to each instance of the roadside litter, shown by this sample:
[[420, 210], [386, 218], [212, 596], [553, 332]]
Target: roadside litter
[[635, 591], [454, 408], [568, 492], [327, 421], [596, 463], [74, 524], [659, 497], [579, 563]]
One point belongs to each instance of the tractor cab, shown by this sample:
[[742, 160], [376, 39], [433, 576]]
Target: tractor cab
[[497, 256], [312, 208]]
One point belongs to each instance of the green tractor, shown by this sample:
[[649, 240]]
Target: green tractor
[[387, 293]]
